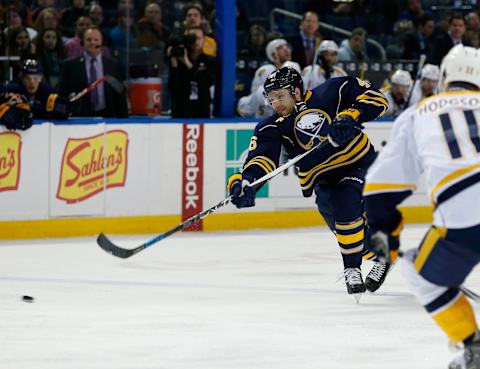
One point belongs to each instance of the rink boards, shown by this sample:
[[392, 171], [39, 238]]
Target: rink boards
[[142, 175]]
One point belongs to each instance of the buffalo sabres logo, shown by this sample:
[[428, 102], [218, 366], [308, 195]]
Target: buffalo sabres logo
[[311, 127]]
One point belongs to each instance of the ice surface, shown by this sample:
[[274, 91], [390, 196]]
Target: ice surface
[[249, 300]]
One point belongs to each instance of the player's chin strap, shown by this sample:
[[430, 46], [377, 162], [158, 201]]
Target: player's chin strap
[[104, 242]]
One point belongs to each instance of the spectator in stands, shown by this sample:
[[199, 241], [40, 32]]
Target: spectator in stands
[[307, 40], [50, 54], [79, 72], [149, 29], [19, 44], [323, 68], [413, 11], [353, 48], [70, 16], [419, 41], [95, 12], [445, 41], [14, 20], [119, 35], [397, 93], [194, 17], [73, 47], [473, 39], [473, 22], [192, 73], [47, 18], [426, 86], [40, 5], [44, 102], [255, 43]]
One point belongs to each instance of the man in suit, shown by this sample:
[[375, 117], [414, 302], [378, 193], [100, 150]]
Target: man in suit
[[444, 42], [306, 41], [81, 71]]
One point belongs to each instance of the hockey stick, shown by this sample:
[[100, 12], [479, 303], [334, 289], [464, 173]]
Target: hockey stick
[[110, 247], [421, 62], [112, 81]]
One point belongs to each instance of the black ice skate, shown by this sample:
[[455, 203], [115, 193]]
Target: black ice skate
[[470, 357], [377, 275], [354, 281]]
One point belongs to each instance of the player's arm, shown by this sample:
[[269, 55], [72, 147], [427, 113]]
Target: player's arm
[[390, 180], [359, 102], [263, 156]]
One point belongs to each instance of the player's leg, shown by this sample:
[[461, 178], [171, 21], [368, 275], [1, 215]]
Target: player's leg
[[434, 272]]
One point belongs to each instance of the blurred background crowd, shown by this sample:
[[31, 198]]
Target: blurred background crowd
[[160, 56]]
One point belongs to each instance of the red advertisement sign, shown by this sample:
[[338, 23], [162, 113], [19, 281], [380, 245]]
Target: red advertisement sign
[[192, 174]]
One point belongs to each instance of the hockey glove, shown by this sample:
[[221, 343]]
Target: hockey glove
[[58, 105], [243, 196], [384, 242], [344, 128], [16, 113]]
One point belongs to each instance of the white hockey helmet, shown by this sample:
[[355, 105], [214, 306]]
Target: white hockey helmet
[[271, 49], [328, 45], [461, 64], [402, 78], [293, 65], [430, 71]]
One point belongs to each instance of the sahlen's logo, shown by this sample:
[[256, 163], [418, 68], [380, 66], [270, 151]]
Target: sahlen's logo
[[10, 147], [238, 142], [87, 163]]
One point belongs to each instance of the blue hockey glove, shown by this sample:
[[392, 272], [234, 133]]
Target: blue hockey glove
[[343, 128], [243, 196], [385, 243]]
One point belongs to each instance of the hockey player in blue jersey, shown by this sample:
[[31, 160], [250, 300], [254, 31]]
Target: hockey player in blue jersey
[[332, 113]]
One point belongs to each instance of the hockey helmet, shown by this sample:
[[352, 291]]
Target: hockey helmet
[[293, 65], [31, 66], [271, 49], [430, 71], [328, 45], [285, 77], [461, 64], [402, 78]]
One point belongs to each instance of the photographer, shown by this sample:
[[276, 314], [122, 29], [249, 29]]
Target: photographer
[[192, 73]]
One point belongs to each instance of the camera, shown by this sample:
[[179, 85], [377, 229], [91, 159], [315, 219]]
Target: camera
[[180, 43]]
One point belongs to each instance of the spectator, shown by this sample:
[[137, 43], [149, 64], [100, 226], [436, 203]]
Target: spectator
[[73, 47], [192, 73], [419, 41], [426, 86], [70, 16], [353, 48], [473, 39], [444, 42], [194, 17], [50, 53], [149, 30], [306, 41], [255, 43], [324, 68], [118, 36], [413, 11], [45, 104], [42, 4], [47, 18], [473, 22], [14, 20], [95, 12], [79, 72], [19, 44], [397, 93]]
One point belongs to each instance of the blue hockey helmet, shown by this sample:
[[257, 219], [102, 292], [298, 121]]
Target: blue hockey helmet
[[285, 77], [31, 66]]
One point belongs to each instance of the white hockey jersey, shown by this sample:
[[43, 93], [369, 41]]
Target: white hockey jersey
[[260, 76], [417, 94], [312, 79], [254, 105], [394, 109], [440, 138]]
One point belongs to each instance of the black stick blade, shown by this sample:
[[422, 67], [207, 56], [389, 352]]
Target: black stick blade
[[113, 249]]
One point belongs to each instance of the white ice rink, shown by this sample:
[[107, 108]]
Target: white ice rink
[[250, 300]]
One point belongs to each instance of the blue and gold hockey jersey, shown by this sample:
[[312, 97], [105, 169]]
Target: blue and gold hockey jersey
[[308, 125]]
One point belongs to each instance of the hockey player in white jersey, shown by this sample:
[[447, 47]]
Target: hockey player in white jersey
[[397, 93], [439, 138], [427, 84], [255, 104], [323, 66]]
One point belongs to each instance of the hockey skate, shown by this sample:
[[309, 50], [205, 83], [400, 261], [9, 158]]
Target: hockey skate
[[469, 358], [354, 282], [376, 276]]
